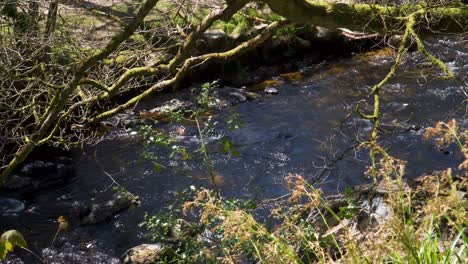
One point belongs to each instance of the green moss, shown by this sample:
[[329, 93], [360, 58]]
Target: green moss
[[120, 7], [229, 28], [138, 38], [6, 30], [82, 21], [287, 32], [64, 54], [179, 21], [121, 59]]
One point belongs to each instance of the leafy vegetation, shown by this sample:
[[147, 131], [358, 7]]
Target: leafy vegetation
[[421, 224], [9, 240]]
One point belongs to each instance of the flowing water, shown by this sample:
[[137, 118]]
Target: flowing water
[[301, 130]]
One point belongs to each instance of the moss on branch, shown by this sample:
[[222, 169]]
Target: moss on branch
[[50, 118], [370, 18], [193, 62]]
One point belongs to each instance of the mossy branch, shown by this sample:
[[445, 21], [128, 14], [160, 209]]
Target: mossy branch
[[49, 119], [411, 23], [100, 86], [451, 18], [186, 49], [193, 62]]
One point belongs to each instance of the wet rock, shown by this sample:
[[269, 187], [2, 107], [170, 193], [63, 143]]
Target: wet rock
[[123, 120], [9, 206], [215, 40], [238, 96], [101, 212], [326, 34], [265, 84], [39, 175], [292, 76], [206, 236], [37, 168], [145, 254], [367, 211], [271, 90], [251, 96], [80, 209], [374, 212], [162, 113], [228, 96]]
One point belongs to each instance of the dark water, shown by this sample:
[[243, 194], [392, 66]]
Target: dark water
[[301, 130]]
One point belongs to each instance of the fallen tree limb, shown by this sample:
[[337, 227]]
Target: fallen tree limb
[[452, 18], [193, 62]]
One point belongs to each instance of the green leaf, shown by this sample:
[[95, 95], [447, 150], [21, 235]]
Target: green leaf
[[228, 148], [9, 240]]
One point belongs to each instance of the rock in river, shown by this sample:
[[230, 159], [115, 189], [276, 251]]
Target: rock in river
[[101, 212], [145, 254], [162, 113], [271, 90], [238, 96], [9, 206]]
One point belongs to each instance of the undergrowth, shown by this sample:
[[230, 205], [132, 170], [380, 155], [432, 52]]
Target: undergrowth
[[392, 221]]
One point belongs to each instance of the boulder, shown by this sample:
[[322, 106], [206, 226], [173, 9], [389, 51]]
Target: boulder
[[215, 40], [145, 254], [38, 167], [39, 175], [162, 113], [123, 120]]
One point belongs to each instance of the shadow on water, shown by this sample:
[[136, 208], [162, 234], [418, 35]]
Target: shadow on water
[[301, 130]]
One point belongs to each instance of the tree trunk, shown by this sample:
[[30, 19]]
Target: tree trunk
[[50, 118], [51, 19], [371, 18], [33, 13]]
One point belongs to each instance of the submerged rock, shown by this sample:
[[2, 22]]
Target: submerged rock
[[15, 182], [39, 175], [145, 254], [9, 206], [262, 86], [238, 96], [123, 120], [100, 212]]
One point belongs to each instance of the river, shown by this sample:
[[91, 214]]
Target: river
[[301, 130]]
